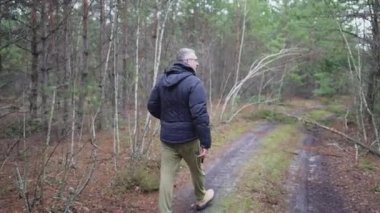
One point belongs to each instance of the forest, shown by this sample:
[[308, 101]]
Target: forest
[[76, 73]]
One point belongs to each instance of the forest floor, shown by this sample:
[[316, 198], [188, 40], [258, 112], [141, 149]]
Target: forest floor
[[321, 173]]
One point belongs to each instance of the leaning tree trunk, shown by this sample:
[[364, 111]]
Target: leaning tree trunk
[[259, 67]]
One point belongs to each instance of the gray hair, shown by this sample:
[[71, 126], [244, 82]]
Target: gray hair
[[183, 52]]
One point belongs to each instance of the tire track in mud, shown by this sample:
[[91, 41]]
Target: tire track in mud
[[223, 173], [309, 186]]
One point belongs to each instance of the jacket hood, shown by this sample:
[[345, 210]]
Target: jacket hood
[[176, 73]]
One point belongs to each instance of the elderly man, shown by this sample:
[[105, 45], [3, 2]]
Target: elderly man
[[179, 101]]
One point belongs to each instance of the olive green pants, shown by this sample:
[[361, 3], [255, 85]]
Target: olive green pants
[[171, 156]]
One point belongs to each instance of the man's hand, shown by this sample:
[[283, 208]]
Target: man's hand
[[202, 155]]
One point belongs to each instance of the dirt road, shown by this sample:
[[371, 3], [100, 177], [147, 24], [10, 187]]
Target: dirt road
[[223, 173], [309, 188], [309, 185]]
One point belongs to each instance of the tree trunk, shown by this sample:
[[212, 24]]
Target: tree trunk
[[116, 138], [33, 98], [136, 84], [55, 30], [238, 39], [84, 71], [241, 42], [1, 59], [101, 38], [102, 30], [124, 94], [44, 65], [116, 144], [158, 35], [1, 55], [374, 73], [66, 61]]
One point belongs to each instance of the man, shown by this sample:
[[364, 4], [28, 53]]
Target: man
[[179, 101]]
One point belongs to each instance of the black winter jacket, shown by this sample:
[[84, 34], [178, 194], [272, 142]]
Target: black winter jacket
[[179, 101]]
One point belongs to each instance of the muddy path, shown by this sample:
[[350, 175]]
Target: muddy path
[[308, 188], [224, 172], [309, 185]]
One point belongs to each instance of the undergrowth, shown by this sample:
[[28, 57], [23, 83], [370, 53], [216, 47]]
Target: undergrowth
[[141, 175], [16, 128]]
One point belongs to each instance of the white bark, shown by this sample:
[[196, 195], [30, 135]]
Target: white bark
[[72, 125], [241, 43], [47, 142], [157, 59], [116, 138], [104, 77], [22, 187], [51, 117], [137, 74], [355, 69]]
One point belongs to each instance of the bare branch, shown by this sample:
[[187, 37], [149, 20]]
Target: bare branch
[[257, 68]]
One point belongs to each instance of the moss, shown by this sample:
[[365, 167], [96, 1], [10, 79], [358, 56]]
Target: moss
[[321, 116], [239, 204], [318, 114], [376, 189], [367, 165], [144, 176], [273, 116], [338, 109]]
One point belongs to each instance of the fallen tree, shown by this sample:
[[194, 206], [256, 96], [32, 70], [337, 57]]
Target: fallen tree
[[347, 137]]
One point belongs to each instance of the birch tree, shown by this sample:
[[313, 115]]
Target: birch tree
[[159, 35], [136, 122]]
